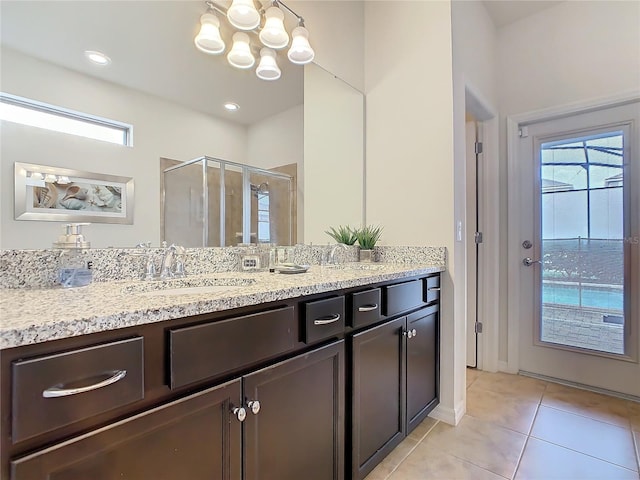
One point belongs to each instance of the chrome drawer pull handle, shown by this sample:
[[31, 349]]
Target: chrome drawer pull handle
[[325, 320], [54, 392], [368, 308], [433, 289]]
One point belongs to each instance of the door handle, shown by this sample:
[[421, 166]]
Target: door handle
[[527, 262]]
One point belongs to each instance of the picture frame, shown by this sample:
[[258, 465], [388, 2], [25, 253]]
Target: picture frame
[[46, 193]]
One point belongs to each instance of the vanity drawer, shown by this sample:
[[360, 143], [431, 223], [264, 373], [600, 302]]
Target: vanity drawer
[[365, 307], [432, 289], [56, 390], [218, 348], [402, 297], [323, 319]]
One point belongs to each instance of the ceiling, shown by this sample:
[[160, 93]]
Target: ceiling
[[151, 47], [504, 12]]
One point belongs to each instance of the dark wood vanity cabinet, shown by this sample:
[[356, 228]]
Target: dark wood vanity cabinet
[[196, 437], [321, 388], [298, 431], [394, 371], [378, 394], [288, 419]]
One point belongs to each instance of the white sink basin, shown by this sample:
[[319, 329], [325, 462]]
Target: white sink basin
[[188, 286]]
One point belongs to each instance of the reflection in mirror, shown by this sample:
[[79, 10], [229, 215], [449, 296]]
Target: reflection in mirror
[[334, 154], [158, 82], [210, 202]]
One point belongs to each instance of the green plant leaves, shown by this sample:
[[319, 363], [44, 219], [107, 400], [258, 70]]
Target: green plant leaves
[[343, 234], [368, 236]]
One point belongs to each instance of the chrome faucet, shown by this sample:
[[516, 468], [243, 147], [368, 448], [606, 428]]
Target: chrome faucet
[[332, 254], [172, 265]]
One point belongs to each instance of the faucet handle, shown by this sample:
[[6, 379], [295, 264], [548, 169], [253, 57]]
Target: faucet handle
[[150, 268], [179, 268]]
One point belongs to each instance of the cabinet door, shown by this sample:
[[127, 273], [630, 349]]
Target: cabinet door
[[298, 430], [195, 438], [422, 365], [378, 396]]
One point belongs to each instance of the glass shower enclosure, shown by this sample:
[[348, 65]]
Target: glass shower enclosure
[[208, 202]]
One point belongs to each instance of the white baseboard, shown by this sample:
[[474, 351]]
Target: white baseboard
[[452, 416]]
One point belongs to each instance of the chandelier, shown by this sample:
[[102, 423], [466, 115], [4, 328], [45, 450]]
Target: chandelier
[[267, 24]]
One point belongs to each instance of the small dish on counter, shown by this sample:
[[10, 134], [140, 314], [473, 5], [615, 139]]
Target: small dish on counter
[[291, 268]]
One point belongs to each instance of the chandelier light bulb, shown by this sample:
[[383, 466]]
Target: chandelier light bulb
[[243, 15], [240, 55], [300, 52], [268, 68], [273, 34], [208, 39]]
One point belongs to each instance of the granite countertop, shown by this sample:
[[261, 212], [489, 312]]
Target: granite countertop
[[29, 316]]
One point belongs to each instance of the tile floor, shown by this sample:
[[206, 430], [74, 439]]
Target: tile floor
[[524, 429]]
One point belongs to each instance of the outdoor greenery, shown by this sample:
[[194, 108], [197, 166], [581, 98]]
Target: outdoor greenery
[[584, 260]]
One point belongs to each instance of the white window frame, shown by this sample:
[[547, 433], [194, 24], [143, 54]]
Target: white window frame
[[65, 113]]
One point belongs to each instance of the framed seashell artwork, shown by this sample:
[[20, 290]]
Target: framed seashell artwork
[[62, 194]]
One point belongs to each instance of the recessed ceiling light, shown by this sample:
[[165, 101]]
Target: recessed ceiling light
[[98, 58], [232, 107]]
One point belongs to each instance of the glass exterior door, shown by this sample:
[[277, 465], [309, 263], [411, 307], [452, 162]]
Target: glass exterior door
[[582, 219], [579, 265]]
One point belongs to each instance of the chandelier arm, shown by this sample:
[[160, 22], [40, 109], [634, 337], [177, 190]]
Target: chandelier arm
[[216, 7], [282, 4]]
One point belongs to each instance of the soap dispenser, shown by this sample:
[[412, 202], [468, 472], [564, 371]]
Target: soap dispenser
[[75, 266]]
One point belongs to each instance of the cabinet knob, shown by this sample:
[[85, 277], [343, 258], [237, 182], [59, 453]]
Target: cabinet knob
[[414, 332], [254, 406], [240, 413], [408, 333]]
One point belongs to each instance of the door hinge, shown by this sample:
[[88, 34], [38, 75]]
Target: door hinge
[[523, 132], [478, 328], [477, 237], [478, 148]]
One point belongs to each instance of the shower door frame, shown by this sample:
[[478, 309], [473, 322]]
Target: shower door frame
[[245, 171]]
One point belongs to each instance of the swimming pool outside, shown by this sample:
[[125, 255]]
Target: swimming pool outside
[[581, 295]]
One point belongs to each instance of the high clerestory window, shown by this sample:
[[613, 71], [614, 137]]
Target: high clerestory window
[[41, 115]]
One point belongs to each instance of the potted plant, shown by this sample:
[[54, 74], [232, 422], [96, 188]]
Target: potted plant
[[367, 237], [342, 234]]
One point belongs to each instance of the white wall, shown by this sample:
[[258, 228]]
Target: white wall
[[336, 33], [279, 140], [160, 129], [572, 52], [474, 93], [334, 155], [567, 53], [409, 163]]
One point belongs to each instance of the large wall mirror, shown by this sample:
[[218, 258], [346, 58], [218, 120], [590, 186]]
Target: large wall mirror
[[173, 95]]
